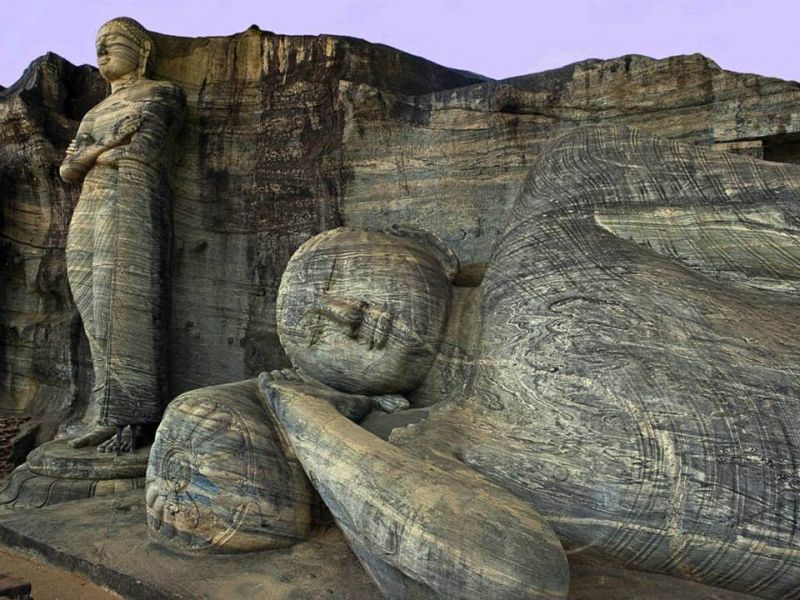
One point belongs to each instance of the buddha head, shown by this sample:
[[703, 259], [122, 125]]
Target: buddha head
[[124, 50], [365, 311]]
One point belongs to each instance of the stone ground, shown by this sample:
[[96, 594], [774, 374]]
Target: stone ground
[[49, 583], [107, 541]]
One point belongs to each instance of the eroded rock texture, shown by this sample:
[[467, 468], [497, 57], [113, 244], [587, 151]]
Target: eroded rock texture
[[261, 171], [452, 162], [44, 359], [422, 530], [286, 136], [635, 378], [222, 479], [119, 235]]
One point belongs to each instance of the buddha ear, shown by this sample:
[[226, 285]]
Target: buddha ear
[[144, 55]]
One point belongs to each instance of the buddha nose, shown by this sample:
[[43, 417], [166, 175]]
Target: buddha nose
[[344, 311]]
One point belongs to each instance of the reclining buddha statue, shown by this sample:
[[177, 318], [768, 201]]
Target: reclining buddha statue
[[622, 384]]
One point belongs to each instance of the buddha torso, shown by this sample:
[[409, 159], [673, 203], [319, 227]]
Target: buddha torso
[[645, 408]]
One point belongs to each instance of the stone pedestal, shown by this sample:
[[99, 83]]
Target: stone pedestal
[[56, 472]]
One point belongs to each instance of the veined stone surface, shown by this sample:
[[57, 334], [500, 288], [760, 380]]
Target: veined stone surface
[[452, 162], [249, 188], [261, 171], [119, 235], [636, 376], [286, 136], [221, 479], [45, 367], [633, 378]]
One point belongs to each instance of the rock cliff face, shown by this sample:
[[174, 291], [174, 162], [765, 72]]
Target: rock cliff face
[[261, 171], [453, 161], [44, 358], [286, 136]]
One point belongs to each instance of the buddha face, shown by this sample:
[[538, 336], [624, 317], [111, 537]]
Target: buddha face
[[363, 312], [120, 50]]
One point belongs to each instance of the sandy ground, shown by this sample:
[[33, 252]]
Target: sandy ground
[[50, 583]]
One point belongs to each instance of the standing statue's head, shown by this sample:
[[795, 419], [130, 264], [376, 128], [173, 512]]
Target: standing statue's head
[[365, 311], [124, 50]]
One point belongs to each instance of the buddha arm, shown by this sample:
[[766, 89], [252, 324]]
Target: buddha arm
[[160, 116], [414, 525], [78, 161], [83, 152], [353, 406]]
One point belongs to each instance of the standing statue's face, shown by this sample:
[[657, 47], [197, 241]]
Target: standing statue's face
[[363, 312], [117, 54]]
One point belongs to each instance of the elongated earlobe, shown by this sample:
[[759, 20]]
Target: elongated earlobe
[[144, 55]]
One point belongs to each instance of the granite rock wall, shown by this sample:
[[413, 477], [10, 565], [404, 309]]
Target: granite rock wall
[[453, 161], [259, 172], [45, 366], [286, 136]]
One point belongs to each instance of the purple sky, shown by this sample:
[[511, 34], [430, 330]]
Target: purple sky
[[497, 38]]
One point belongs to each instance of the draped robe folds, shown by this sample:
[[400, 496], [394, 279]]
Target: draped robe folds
[[634, 381], [117, 250], [640, 343]]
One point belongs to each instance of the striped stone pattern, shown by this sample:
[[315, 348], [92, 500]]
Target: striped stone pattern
[[220, 478], [637, 375], [116, 253], [422, 530]]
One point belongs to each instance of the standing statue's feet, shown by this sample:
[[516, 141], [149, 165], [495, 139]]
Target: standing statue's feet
[[98, 435], [128, 438], [122, 441]]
